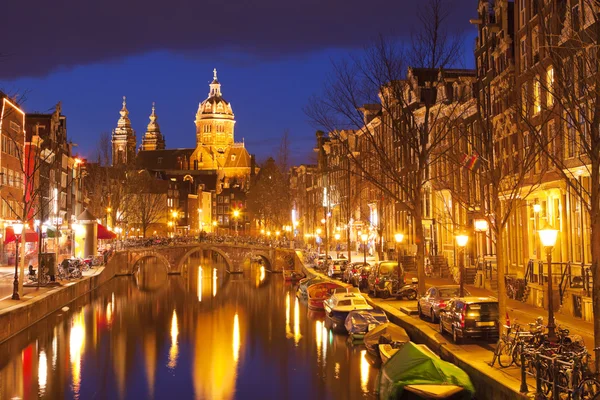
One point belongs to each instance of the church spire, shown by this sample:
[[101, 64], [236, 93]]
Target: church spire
[[123, 138], [215, 86], [153, 139]]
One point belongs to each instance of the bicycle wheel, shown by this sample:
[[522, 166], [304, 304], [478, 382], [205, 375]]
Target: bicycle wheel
[[504, 351], [517, 354], [589, 389]]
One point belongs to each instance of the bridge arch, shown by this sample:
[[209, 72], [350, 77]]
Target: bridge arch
[[151, 254], [187, 254]]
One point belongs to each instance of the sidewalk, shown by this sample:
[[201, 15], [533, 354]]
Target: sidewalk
[[524, 313]]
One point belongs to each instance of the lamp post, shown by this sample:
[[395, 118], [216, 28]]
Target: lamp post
[[17, 229], [318, 239], [548, 238], [364, 238], [324, 222], [337, 239], [461, 242], [399, 237]]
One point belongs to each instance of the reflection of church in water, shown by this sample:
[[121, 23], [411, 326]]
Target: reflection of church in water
[[214, 175]]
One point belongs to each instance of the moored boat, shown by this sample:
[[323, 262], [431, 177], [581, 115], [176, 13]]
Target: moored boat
[[341, 303], [415, 372], [302, 291], [358, 323], [387, 351], [387, 333], [319, 292]]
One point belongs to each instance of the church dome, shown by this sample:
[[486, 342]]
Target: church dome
[[215, 106]]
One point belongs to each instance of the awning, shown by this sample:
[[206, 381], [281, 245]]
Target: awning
[[104, 233], [30, 235], [52, 232]]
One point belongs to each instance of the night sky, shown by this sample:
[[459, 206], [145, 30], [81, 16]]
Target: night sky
[[271, 56]]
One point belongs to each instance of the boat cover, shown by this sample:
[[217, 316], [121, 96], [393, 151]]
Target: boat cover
[[392, 332], [360, 320], [306, 282], [417, 366]]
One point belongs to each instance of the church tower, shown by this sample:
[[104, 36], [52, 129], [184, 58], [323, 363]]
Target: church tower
[[214, 120], [123, 139], [153, 139]]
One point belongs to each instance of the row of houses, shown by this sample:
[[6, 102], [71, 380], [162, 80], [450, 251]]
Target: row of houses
[[450, 151], [41, 177]]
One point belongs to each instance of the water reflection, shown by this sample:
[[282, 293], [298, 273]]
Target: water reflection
[[203, 335], [174, 351]]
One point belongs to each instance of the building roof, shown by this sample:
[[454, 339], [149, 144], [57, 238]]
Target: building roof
[[167, 159], [237, 157]]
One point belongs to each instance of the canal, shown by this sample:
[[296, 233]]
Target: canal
[[203, 335]]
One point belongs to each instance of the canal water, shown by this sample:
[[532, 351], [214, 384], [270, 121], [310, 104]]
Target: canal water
[[203, 335]]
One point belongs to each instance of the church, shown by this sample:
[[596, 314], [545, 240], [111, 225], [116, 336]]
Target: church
[[206, 182]]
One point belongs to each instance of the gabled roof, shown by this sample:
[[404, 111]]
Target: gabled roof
[[240, 159]]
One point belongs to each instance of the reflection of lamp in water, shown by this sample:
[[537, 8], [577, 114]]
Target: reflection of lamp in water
[[174, 351], [318, 333], [76, 344], [364, 371], [54, 349], [109, 313], [297, 335], [42, 372], [262, 273], [288, 329], [236, 338], [214, 282], [199, 283]]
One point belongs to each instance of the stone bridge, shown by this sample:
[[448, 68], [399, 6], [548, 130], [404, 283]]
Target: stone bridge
[[235, 255]]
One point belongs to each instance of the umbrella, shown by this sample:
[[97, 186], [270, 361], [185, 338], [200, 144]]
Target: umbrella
[[30, 235], [104, 233]]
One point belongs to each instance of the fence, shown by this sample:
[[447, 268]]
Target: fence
[[565, 274]]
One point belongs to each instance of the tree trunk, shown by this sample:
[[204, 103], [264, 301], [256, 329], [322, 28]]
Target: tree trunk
[[501, 265], [420, 242], [595, 225]]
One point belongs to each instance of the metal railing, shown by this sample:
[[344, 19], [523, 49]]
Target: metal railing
[[566, 274]]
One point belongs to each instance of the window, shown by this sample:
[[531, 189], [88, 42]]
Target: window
[[537, 104], [523, 53], [522, 8], [550, 87], [15, 127], [535, 44], [10, 177], [575, 18], [524, 99], [4, 176], [570, 138]]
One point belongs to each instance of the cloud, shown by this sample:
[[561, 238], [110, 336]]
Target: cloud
[[38, 39]]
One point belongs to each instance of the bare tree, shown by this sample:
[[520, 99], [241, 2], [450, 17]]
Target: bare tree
[[394, 110], [268, 198], [146, 200]]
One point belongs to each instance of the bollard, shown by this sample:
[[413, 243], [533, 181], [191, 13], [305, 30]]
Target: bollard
[[523, 388]]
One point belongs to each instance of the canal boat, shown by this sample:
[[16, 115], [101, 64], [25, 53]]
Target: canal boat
[[320, 292], [387, 351], [358, 323], [387, 333], [302, 292], [415, 372], [341, 303]]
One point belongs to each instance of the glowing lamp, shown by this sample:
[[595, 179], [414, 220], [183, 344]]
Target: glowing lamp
[[537, 208], [364, 237], [461, 240], [399, 237], [18, 228], [480, 225], [548, 236], [337, 236]]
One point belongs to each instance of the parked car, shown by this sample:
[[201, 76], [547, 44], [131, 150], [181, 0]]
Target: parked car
[[435, 299], [351, 269], [321, 264], [383, 273], [469, 317], [336, 268], [361, 278]]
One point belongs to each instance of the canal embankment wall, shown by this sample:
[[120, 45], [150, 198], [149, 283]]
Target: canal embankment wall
[[18, 317], [492, 384]]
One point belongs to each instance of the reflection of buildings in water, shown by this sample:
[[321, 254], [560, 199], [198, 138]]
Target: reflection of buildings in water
[[199, 288], [150, 359], [120, 357], [217, 349], [76, 346], [214, 283], [296, 335], [174, 350]]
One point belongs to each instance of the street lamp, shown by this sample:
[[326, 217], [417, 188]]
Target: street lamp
[[17, 229], [399, 237], [236, 215], [548, 238], [461, 242], [337, 237], [364, 238]]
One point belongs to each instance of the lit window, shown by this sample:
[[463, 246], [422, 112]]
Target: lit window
[[537, 105], [550, 86]]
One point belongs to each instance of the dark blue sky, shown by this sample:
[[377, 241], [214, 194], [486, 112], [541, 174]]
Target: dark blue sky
[[271, 57]]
